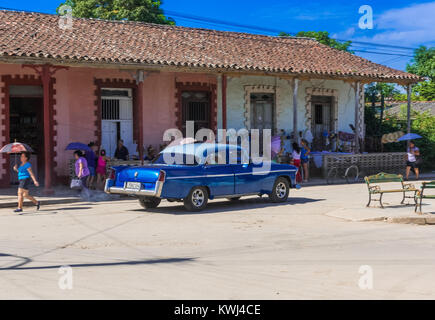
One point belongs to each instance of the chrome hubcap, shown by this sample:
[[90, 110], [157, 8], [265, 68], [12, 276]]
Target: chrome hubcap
[[198, 198], [281, 190]]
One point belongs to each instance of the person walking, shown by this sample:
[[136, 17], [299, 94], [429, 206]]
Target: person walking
[[296, 155], [81, 168], [25, 175], [412, 163], [101, 167], [92, 162]]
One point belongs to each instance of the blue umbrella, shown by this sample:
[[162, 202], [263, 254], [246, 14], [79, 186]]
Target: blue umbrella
[[409, 136], [78, 146]]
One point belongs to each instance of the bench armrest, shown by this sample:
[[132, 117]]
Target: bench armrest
[[375, 189], [409, 186]]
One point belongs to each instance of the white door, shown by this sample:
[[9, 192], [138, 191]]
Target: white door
[[109, 136], [117, 120], [127, 136]]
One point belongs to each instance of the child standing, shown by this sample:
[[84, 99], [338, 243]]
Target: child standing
[[101, 167]]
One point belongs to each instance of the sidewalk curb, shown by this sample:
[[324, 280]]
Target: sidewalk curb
[[413, 220], [43, 203]]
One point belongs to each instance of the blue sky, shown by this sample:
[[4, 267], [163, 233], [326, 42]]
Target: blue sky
[[399, 22]]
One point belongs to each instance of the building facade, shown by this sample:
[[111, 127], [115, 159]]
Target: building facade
[[102, 81]]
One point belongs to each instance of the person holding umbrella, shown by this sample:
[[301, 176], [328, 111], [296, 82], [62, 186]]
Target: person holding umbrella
[[413, 157], [413, 154], [25, 175]]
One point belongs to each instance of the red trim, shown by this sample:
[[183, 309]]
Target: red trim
[[46, 73], [224, 101], [196, 86], [8, 80], [117, 83]]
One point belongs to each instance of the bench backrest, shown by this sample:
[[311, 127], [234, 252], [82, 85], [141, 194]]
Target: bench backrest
[[429, 185], [384, 177]]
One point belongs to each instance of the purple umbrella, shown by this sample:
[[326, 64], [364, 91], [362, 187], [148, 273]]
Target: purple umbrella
[[78, 146]]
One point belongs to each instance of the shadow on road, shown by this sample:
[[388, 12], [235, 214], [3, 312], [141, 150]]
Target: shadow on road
[[228, 206], [24, 261]]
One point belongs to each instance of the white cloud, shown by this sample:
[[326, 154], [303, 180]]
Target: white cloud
[[410, 26]]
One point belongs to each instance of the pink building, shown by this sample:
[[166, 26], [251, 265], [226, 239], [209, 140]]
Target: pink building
[[103, 80]]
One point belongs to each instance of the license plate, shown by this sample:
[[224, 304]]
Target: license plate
[[134, 185]]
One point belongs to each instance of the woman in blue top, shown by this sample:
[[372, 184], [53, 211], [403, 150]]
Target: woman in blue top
[[25, 175]]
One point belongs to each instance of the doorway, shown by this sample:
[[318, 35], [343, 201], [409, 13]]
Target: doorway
[[322, 121], [117, 120], [26, 125], [196, 107], [262, 111]]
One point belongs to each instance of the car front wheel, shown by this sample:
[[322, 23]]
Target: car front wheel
[[149, 203], [280, 191], [197, 199]]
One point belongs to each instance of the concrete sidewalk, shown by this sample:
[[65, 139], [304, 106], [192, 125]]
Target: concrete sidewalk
[[393, 212], [62, 195]]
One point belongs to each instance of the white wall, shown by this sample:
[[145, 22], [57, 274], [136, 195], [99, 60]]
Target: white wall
[[284, 98]]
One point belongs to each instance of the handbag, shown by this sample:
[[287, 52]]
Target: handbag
[[76, 184], [419, 160]]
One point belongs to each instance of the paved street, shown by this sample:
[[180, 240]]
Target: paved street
[[251, 249]]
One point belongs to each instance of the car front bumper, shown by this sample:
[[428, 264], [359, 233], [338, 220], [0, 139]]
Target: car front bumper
[[156, 192]]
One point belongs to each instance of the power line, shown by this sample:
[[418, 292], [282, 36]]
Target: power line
[[270, 30], [217, 22]]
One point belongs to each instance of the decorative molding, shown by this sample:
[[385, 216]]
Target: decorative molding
[[196, 86], [249, 89], [309, 93]]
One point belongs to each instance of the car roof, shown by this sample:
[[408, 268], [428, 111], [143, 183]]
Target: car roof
[[200, 149]]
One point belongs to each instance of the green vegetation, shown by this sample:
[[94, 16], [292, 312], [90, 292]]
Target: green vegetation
[[423, 64], [324, 38], [422, 124], [131, 10]]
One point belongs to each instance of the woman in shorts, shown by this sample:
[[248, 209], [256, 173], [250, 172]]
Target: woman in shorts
[[412, 163], [25, 177]]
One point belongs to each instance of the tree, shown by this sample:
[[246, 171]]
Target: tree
[[324, 38], [423, 64], [378, 92], [131, 10]]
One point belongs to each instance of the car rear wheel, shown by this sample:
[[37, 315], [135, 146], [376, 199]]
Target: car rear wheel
[[197, 199], [149, 203], [280, 191]]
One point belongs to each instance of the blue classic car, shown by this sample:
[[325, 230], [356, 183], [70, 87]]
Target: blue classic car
[[200, 172]]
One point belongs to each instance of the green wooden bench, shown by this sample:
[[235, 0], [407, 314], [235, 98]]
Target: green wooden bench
[[373, 184], [421, 195]]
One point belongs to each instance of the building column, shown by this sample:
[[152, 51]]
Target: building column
[[408, 111], [140, 77], [357, 116], [295, 109], [224, 101]]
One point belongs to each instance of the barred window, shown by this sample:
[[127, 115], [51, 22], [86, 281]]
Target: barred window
[[110, 109]]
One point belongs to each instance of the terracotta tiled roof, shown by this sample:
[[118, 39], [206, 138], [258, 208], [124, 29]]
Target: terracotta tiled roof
[[38, 35]]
